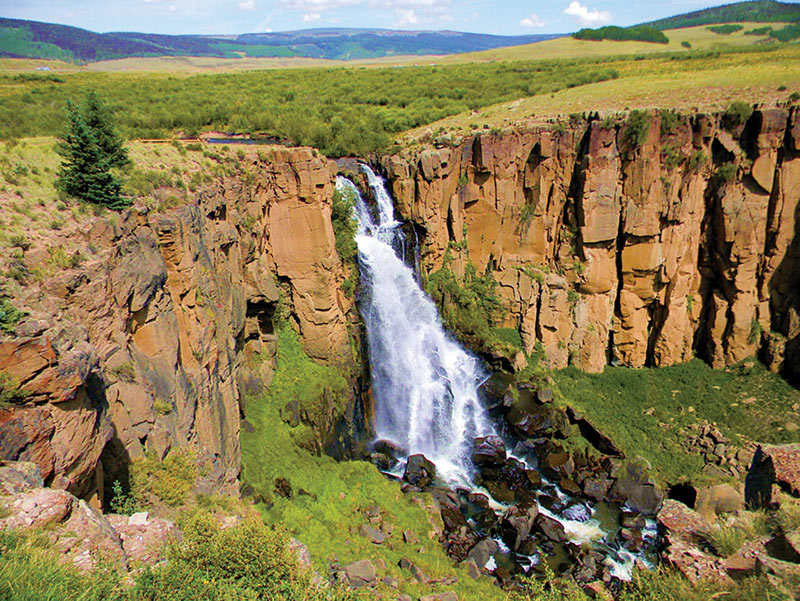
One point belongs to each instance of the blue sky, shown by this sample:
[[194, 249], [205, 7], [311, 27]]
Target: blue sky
[[243, 16]]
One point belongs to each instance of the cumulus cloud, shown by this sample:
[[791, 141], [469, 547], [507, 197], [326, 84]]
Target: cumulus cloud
[[584, 16], [308, 17], [247, 5], [532, 21], [406, 18]]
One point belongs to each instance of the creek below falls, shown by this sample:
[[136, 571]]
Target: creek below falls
[[480, 443]]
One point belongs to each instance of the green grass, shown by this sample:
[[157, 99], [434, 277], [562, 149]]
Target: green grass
[[646, 410], [339, 111], [339, 493]]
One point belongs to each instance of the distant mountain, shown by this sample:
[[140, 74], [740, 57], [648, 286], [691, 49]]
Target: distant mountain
[[32, 39], [758, 11]]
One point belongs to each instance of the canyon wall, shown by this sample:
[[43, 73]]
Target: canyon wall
[[617, 242], [153, 342]]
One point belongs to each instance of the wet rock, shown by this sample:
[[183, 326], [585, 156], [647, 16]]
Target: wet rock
[[483, 551], [597, 488], [488, 451], [577, 512], [508, 483], [360, 573], [516, 524], [551, 528], [419, 471], [559, 464], [538, 420], [635, 489]]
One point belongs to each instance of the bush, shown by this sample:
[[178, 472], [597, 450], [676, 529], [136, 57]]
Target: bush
[[725, 29], [10, 391], [344, 223], [168, 481], [9, 316], [636, 129], [639, 33], [686, 44], [725, 173], [736, 114]]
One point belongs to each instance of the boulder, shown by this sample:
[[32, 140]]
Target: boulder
[[416, 572], [551, 528], [483, 551], [772, 464], [679, 520], [144, 539], [19, 476], [360, 574], [376, 537], [419, 471], [82, 535], [488, 451], [719, 499], [635, 489], [516, 524]]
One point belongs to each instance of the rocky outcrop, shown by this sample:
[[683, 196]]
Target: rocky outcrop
[[151, 342], [614, 247]]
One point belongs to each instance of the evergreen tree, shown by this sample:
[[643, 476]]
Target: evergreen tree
[[90, 151], [100, 122]]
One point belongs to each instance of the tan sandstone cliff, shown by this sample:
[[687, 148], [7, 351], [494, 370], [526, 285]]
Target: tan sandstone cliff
[[609, 251], [147, 345]]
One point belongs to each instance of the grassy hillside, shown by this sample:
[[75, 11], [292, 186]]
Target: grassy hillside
[[32, 39], [759, 11]]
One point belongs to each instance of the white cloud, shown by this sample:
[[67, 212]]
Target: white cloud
[[532, 21], [172, 8], [584, 16], [308, 17], [406, 18], [246, 5]]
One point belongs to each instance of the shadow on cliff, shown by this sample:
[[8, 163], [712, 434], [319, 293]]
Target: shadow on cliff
[[784, 288], [116, 463]]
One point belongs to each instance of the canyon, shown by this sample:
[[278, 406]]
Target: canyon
[[633, 240]]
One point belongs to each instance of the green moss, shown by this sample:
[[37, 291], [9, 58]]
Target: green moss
[[646, 411]]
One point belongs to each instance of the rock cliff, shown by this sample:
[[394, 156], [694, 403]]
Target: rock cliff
[[151, 342], [637, 241]]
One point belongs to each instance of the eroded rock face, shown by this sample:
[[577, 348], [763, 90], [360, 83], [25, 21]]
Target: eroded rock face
[[142, 348], [603, 251]]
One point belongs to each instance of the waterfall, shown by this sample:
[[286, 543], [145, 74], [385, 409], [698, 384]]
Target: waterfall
[[424, 383]]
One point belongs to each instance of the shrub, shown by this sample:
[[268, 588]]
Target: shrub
[[344, 223], [10, 391], [162, 407], [19, 241], [686, 44], [638, 33], [9, 316], [725, 29], [669, 121], [636, 129], [736, 114], [725, 173], [168, 480]]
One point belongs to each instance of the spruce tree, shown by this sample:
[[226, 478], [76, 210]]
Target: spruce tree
[[100, 122], [90, 151]]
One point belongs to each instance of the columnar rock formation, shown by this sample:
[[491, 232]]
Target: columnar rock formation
[[610, 247], [147, 345]]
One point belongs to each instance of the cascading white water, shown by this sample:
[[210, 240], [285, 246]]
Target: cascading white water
[[425, 385]]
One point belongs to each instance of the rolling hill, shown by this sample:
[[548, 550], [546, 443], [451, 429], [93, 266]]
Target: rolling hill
[[756, 11], [33, 39]]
